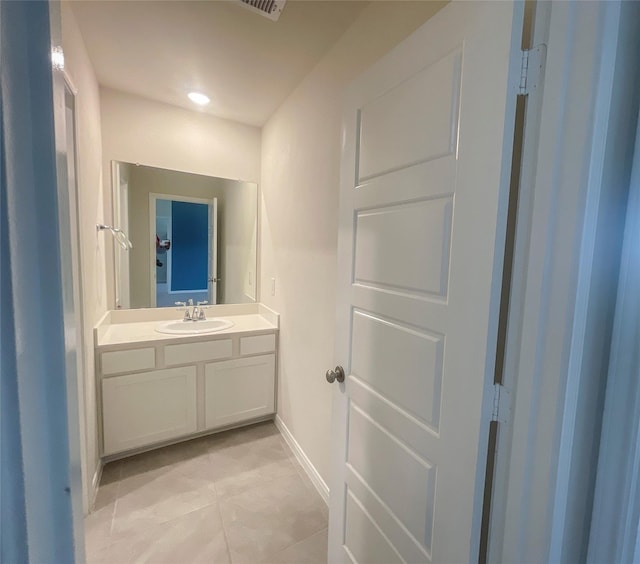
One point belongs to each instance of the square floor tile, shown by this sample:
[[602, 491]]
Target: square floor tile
[[267, 519]]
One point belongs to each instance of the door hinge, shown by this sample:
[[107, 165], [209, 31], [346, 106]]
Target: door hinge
[[531, 69], [501, 404]]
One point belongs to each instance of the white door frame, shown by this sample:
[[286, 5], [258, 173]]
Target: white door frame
[[168, 255], [121, 273], [557, 286], [615, 534], [45, 429], [212, 271], [153, 196], [81, 359]]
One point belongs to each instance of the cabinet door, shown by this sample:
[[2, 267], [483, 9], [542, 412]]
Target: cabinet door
[[146, 408], [238, 390]]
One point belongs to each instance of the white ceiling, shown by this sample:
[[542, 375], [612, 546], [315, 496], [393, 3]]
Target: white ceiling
[[244, 62]]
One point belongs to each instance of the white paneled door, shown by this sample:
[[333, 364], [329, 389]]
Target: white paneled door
[[425, 180]]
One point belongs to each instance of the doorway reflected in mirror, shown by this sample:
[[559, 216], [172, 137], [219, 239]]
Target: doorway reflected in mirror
[[184, 263]]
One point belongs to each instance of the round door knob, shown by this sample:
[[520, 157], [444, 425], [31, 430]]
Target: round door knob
[[336, 374]]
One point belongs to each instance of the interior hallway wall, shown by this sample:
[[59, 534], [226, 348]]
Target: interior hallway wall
[[301, 145], [138, 130], [91, 210]]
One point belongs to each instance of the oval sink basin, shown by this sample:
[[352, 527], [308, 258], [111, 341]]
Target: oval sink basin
[[194, 327]]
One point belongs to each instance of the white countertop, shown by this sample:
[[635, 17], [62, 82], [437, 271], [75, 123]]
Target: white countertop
[[131, 331]]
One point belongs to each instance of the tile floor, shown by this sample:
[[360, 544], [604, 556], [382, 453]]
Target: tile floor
[[238, 497]]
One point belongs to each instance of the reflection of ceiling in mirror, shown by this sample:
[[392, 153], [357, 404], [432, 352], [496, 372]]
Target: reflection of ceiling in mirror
[[245, 63], [149, 195]]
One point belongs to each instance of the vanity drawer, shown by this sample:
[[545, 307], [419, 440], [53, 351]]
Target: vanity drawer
[[117, 362], [196, 352], [258, 344]]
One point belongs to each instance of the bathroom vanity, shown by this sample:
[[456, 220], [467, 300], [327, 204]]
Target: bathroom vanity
[[156, 388]]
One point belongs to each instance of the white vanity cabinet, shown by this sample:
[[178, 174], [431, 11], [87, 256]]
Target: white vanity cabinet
[[148, 407], [166, 389], [239, 389]]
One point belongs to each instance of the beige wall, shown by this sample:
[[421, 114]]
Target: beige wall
[[238, 253], [90, 206], [300, 187], [137, 130]]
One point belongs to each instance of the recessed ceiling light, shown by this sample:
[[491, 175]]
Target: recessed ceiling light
[[198, 98]]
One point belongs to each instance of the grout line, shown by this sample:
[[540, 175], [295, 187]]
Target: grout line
[[299, 541], [224, 530], [115, 506]]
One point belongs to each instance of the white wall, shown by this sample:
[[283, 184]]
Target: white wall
[[137, 130], [300, 186], [239, 224], [90, 205]]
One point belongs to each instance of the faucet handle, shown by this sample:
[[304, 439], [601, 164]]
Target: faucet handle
[[187, 315], [201, 314]]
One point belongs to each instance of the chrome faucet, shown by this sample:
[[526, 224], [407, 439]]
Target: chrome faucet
[[197, 314], [187, 315], [194, 313]]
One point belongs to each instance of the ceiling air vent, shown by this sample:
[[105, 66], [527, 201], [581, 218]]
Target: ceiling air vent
[[268, 8]]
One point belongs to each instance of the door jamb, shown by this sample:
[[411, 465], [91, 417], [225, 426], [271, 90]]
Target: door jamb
[[551, 275], [81, 359]]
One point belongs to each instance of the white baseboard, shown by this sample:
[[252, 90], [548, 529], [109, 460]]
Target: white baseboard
[[304, 461]]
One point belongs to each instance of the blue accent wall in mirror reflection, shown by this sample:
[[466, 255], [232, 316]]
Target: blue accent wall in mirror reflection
[[189, 246]]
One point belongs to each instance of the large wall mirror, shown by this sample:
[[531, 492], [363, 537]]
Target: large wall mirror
[[193, 236]]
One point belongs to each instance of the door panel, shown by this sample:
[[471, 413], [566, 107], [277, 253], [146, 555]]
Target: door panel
[[366, 542], [381, 461], [423, 199], [399, 423], [414, 122], [381, 347], [385, 254]]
